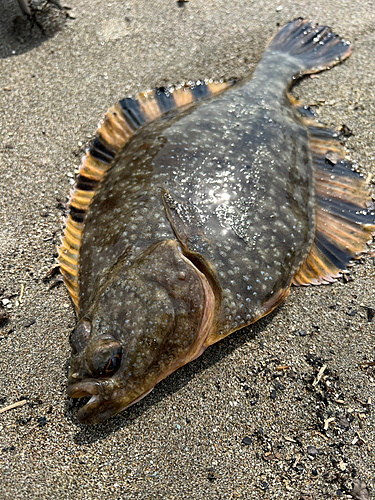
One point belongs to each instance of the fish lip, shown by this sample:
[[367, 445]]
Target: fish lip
[[100, 405], [83, 388]]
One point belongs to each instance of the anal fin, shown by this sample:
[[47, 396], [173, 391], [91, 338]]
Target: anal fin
[[344, 211]]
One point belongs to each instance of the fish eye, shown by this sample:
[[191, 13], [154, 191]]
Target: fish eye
[[113, 363], [80, 335], [105, 357]]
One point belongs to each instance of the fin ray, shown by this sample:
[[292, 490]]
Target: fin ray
[[344, 219], [315, 47]]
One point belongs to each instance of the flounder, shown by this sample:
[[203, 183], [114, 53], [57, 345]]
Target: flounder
[[195, 209]]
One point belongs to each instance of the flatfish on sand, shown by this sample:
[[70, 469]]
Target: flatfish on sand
[[196, 208]]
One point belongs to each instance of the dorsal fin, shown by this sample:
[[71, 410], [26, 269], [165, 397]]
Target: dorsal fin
[[344, 211], [115, 129]]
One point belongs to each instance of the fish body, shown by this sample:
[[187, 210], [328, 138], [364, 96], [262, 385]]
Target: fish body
[[208, 212], [236, 173]]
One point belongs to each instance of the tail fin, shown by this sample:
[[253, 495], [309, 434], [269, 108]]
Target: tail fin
[[316, 47]]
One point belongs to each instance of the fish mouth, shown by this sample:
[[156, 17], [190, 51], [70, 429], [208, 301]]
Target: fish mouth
[[100, 406]]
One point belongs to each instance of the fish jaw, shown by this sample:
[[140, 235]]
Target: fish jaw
[[110, 395], [102, 394]]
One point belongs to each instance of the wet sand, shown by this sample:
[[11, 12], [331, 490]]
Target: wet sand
[[234, 423]]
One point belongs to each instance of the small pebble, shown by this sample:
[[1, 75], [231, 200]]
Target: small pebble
[[311, 450], [41, 421], [264, 486], [3, 317], [359, 491], [342, 465], [247, 441], [29, 323], [352, 313], [370, 314], [332, 157], [343, 423]]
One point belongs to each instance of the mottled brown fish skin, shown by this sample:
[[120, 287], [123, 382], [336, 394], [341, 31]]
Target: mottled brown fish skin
[[197, 229], [242, 166]]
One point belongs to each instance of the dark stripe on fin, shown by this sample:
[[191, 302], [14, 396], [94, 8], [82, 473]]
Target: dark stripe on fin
[[316, 48], [100, 152], [85, 183], [338, 257], [77, 214], [342, 167], [165, 102], [132, 112], [200, 90], [114, 131], [344, 214], [345, 210]]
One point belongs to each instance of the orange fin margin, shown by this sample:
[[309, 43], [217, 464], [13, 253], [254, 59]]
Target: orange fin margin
[[114, 130], [344, 211]]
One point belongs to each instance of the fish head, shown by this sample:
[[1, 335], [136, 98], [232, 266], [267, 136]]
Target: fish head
[[147, 320]]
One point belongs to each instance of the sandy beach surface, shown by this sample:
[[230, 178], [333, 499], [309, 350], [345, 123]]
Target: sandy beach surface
[[246, 420]]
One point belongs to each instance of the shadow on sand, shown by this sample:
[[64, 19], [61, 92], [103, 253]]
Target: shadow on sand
[[20, 33]]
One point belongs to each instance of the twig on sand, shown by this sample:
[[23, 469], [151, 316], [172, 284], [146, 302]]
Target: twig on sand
[[14, 405]]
